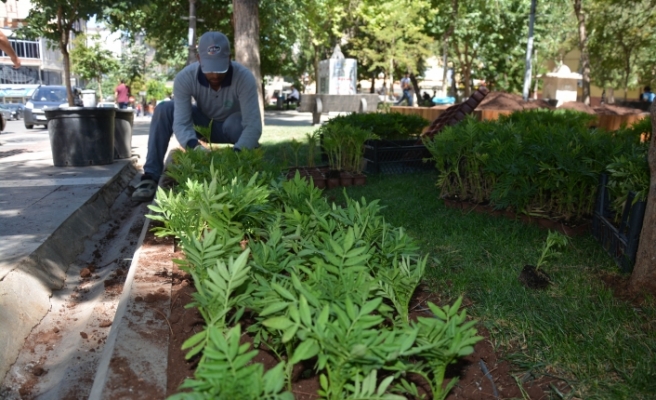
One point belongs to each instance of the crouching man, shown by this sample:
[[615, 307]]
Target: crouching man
[[225, 93]]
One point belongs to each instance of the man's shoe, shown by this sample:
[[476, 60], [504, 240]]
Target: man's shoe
[[145, 190]]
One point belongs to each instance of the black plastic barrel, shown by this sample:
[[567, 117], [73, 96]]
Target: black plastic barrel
[[81, 136], [123, 133]]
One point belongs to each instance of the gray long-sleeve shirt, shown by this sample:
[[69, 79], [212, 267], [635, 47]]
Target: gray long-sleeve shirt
[[238, 93]]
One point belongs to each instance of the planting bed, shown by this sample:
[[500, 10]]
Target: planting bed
[[499, 382], [325, 304]]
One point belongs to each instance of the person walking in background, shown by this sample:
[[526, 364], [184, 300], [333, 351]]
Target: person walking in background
[[407, 94], [122, 95], [647, 95], [5, 46]]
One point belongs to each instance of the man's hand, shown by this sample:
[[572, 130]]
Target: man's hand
[[201, 148]]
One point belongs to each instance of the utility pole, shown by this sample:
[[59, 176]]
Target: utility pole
[[191, 58], [529, 52]]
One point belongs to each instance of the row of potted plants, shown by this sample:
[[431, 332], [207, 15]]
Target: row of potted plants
[[325, 178], [536, 162], [321, 288]]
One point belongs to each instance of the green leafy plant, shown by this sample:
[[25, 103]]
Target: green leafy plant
[[312, 141], [205, 132], [388, 126], [296, 148], [226, 372], [539, 163], [317, 281], [554, 240]]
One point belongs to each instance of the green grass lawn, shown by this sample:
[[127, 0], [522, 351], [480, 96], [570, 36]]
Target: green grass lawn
[[575, 330]]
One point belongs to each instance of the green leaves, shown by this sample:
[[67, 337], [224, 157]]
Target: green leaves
[[314, 279], [542, 163], [280, 323]]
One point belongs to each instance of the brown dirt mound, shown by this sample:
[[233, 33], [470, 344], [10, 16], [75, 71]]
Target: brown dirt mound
[[609, 109], [511, 102], [577, 106]]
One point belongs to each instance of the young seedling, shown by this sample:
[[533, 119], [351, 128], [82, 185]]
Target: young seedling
[[296, 148], [531, 275], [554, 240], [205, 132], [312, 139]]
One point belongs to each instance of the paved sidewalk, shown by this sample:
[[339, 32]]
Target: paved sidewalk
[[46, 213]]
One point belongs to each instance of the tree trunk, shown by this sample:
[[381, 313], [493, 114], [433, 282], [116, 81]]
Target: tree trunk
[[391, 75], [316, 68], [65, 31], [643, 277], [467, 72], [583, 47], [67, 75], [373, 84], [100, 95], [247, 41], [445, 89], [627, 73]]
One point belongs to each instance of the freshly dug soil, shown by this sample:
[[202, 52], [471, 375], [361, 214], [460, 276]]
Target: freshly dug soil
[[511, 102], [534, 278]]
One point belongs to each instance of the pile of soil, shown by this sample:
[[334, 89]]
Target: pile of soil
[[515, 102], [610, 109], [578, 106], [511, 102]]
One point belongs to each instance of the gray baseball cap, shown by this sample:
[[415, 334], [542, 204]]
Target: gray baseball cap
[[214, 52]]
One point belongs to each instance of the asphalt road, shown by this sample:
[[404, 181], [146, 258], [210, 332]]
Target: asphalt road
[[15, 132]]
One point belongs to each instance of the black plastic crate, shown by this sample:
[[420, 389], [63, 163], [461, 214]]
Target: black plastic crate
[[621, 241], [396, 157]]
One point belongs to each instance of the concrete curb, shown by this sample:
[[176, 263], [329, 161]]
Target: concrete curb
[[25, 291]]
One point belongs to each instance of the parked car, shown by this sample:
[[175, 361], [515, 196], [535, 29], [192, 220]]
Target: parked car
[[6, 115], [45, 97], [16, 110]]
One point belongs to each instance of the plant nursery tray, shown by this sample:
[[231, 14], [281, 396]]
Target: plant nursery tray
[[396, 157], [620, 241]]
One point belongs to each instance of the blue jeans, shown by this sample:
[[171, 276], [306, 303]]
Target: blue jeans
[[161, 129], [406, 95], [122, 105]]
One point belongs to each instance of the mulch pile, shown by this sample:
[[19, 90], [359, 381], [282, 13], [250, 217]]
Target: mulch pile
[[508, 101]]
